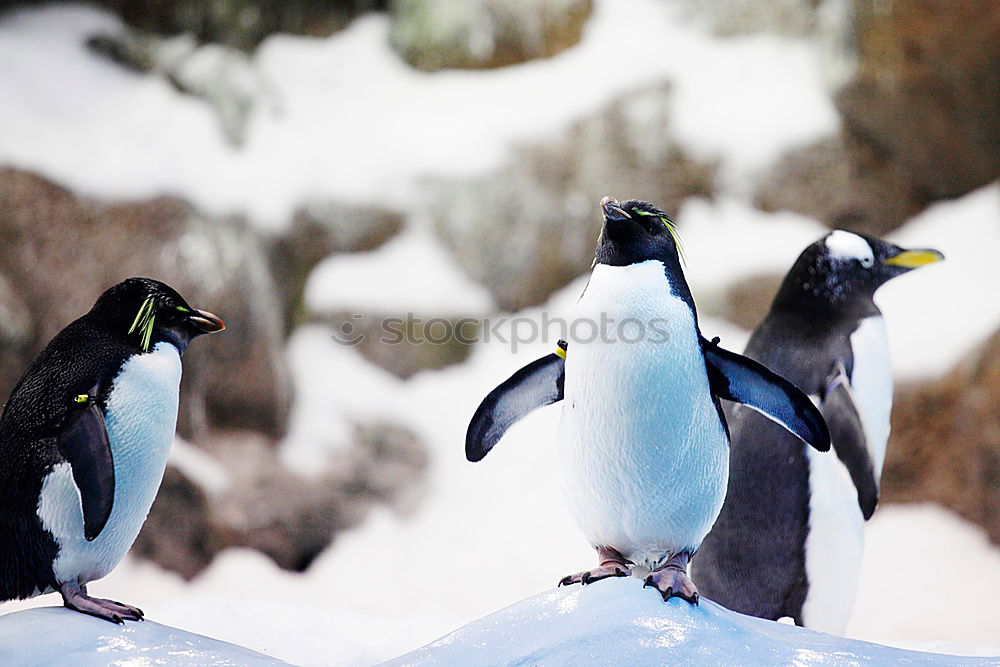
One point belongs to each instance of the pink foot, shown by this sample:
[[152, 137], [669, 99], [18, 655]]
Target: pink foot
[[75, 597], [672, 580], [613, 564]]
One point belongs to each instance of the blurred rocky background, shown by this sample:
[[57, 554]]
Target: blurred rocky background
[[916, 85]]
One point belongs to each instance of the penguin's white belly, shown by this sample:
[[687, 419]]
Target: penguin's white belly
[[645, 455], [835, 541], [141, 416], [871, 385]]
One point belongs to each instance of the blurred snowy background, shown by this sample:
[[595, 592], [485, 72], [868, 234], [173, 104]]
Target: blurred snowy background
[[292, 165]]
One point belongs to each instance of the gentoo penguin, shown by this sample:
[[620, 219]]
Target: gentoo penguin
[[84, 441], [643, 440], [788, 541]]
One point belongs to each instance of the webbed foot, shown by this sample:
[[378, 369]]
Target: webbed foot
[[672, 581], [613, 564], [75, 597]]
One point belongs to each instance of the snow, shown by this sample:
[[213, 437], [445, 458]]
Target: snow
[[327, 407], [747, 100], [57, 637], [727, 240], [958, 569], [345, 118], [93, 125], [411, 273], [617, 621], [936, 314]]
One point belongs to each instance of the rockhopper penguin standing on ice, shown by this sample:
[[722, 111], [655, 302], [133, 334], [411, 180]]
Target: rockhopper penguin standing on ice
[[84, 441], [789, 539], [645, 451]]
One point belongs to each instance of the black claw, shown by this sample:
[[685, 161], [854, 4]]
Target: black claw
[[694, 600], [667, 594], [649, 582], [115, 618], [585, 578]]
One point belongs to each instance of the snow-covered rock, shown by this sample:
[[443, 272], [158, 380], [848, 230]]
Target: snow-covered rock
[[481, 34], [617, 622], [54, 637]]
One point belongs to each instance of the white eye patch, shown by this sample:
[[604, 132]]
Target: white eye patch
[[845, 245]]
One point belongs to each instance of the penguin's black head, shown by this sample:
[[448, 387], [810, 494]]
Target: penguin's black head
[[635, 231], [146, 312], [847, 268]]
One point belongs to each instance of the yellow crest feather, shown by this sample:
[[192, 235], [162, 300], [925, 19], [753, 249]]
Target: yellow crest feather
[[671, 227], [144, 322]]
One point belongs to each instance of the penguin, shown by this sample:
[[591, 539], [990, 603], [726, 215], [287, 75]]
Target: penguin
[[84, 439], [643, 441], [788, 541]]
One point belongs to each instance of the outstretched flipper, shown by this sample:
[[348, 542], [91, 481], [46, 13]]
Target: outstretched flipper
[[848, 435], [83, 442], [538, 384], [743, 380]]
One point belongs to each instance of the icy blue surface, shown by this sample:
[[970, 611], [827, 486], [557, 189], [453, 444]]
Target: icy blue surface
[[617, 622], [59, 637]]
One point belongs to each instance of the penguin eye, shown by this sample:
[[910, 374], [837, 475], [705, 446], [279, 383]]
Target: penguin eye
[[867, 262]]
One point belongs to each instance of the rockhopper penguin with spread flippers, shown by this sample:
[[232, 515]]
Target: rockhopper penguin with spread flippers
[[84, 441], [789, 539], [643, 440]]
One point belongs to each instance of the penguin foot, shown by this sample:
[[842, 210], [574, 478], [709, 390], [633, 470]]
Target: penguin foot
[[75, 597], [598, 573], [613, 564], [672, 580]]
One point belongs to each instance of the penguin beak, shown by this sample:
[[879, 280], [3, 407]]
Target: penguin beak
[[911, 259], [205, 321], [612, 210]]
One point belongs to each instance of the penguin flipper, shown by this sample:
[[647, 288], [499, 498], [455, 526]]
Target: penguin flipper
[[538, 384], [848, 435], [735, 377], [83, 442]]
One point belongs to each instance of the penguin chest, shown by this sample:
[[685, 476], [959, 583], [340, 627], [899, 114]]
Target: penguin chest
[[645, 453], [871, 385], [140, 416], [835, 542]]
